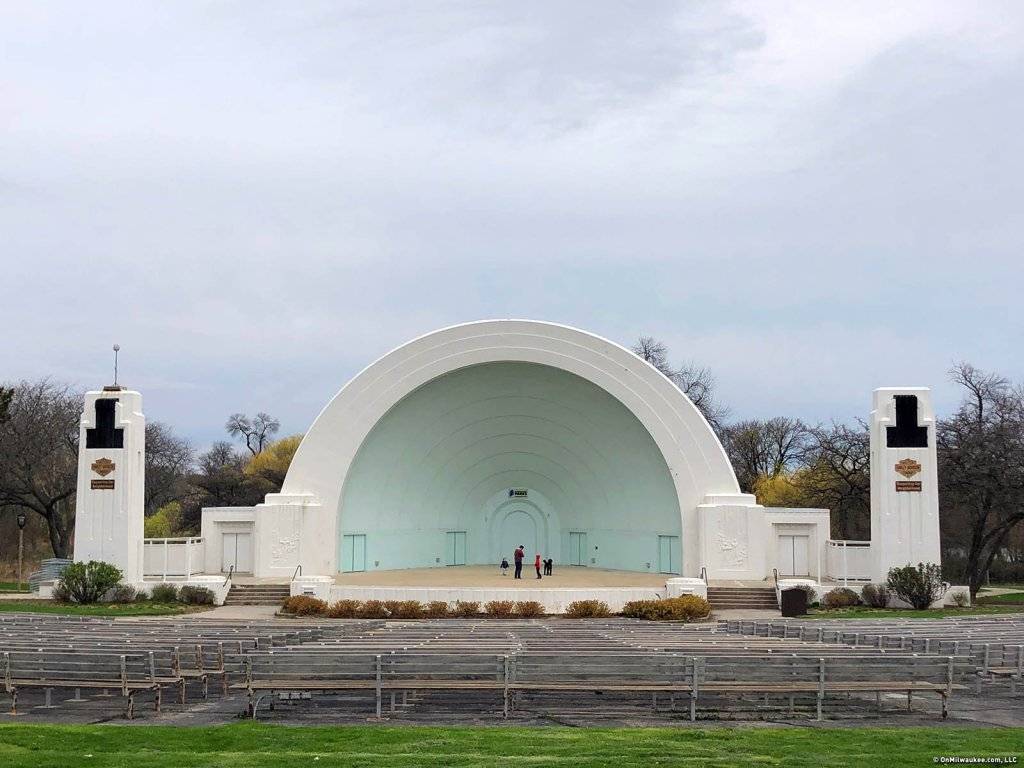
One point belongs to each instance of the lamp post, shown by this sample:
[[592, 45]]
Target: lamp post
[[21, 542]]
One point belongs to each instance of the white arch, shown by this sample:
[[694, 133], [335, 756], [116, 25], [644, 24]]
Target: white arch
[[695, 457]]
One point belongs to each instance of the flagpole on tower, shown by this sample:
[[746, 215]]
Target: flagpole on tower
[[117, 348]]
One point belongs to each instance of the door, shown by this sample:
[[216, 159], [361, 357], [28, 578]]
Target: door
[[236, 552], [577, 548], [793, 560], [517, 528], [668, 560], [456, 548], [353, 552]]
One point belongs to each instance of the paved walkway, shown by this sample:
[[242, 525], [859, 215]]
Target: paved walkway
[[489, 577]]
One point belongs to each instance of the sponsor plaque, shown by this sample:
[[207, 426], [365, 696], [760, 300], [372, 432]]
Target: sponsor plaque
[[102, 485], [908, 468], [103, 467], [911, 486]]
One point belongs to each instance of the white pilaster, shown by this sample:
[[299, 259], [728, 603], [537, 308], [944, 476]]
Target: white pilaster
[[110, 498], [904, 486]]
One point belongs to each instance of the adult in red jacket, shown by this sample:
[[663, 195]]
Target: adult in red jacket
[[518, 556]]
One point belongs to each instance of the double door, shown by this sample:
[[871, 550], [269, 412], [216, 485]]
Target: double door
[[793, 550], [455, 548], [577, 548], [236, 552], [353, 552]]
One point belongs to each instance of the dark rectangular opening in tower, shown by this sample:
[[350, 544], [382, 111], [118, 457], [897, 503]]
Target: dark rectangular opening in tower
[[104, 435], [906, 433]]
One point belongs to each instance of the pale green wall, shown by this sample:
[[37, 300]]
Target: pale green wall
[[445, 456]]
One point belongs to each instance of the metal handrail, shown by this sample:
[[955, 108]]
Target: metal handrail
[[231, 572], [704, 574], [297, 572]]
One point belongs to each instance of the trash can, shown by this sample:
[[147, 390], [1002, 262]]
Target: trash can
[[794, 602]]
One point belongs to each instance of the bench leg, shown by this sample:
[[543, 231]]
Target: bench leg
[[78, 695], [183, 692], [945, 710], [48, 693], [693, 708], [131, 705], [819, 708], [14, 702], [504, 702], [878, 700], [910, 699], [206, 687], [159, 699]]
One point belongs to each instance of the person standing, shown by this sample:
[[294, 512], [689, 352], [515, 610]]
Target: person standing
[[536, 564], [518, 557]]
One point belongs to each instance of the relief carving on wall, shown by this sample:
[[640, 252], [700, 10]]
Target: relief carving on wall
[[732, 539], [284, 552]]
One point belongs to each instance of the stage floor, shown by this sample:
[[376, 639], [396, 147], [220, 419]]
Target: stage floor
[[489, 577]]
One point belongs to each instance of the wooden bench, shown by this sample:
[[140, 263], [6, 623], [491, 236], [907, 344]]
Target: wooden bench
[[127, 673]]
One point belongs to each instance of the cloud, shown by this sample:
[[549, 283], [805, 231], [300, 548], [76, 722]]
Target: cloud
[[258, 199]]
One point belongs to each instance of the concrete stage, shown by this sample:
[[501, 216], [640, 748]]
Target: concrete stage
[[483, 583], [489, 577]]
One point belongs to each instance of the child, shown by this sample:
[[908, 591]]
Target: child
[[504, 566]]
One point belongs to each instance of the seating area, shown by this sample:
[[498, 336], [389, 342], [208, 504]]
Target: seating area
[[994, 645], [481, 668]]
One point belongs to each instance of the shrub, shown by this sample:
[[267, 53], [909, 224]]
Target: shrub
[[373, 609], [408, 609], [88, 582], [840, 597], [587, 609], [304, 605], [436, 609], [392, 607], [343, 609], [164, 593], [920, 586], [499, 609], [961, 599], [875, 595], [193, 595], [61, 594], [682, 608], [466, 609], [141, 596], [529, 609], [121, 593]]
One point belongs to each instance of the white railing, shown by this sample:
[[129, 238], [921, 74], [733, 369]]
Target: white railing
[[845, 560], [181, 557]]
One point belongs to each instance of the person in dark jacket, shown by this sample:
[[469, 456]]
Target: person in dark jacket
[[518, 557]]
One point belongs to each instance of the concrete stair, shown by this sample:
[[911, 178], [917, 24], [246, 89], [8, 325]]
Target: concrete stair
[[751, 598], [257, 594]]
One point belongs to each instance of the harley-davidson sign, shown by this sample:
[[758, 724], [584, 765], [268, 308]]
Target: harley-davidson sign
[[103, 467], [908, 467]]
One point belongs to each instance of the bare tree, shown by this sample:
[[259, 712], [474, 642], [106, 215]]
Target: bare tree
[[698, 384], [39, 456], [836, 475], [168, 462], [981, 468], [766, 448], [6, 394], [256, 432]]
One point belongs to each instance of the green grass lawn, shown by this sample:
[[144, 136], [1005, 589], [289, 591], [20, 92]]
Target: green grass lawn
[[96, 609], [249, 745], [862, 612], [12, 586], [1008, 598]]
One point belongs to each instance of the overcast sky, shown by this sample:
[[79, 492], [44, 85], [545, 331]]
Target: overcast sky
[[258, 199]]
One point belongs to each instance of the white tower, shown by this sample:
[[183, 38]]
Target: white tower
[[904, 480], [111, 481]]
